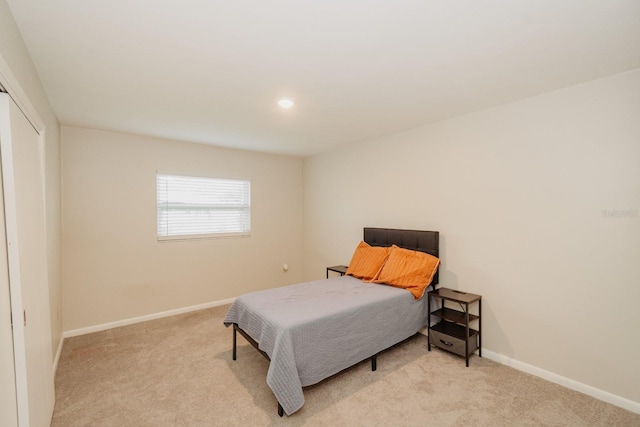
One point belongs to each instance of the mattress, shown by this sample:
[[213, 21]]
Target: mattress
[[313, 330]]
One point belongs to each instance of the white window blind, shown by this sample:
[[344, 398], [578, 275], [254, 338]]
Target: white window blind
[[193, 207]]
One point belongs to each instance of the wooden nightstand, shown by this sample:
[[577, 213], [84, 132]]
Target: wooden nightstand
[[342, 269], [453, 330]]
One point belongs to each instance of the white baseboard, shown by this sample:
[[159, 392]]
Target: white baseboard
[[496, 357], [58, 353], [134, 320], [564, 381], [605, 396]]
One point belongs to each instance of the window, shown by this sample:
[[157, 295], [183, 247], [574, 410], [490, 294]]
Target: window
[[194, 207]]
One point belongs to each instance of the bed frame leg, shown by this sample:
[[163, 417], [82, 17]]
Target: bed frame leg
[[280, 410], [235, 338], [374, 364]]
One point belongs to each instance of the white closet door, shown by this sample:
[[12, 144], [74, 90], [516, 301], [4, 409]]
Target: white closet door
[[28, 280]]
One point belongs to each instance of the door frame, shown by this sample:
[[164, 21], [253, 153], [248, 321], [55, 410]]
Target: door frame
[[9, 397], [14, 91]]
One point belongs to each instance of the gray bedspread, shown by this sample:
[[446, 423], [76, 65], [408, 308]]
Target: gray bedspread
[[313, 330]]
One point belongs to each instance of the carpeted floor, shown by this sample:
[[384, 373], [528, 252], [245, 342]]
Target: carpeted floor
[[178, 371]]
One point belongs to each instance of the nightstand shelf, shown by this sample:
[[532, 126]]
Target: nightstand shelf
[[452, 331], [454, 316]]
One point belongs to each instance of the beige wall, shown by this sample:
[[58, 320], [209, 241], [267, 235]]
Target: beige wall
[[518, 193], [15, 54], [113, 266]]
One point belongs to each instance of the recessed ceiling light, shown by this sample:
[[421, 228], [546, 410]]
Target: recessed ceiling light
[[285, 103]]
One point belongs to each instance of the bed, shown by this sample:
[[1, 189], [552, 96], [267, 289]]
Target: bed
[[313, 330]]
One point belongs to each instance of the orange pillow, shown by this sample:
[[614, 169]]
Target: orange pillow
[[367, 261], [410, 270]]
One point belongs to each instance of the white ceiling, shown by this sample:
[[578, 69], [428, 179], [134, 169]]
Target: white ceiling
[[211, 71]]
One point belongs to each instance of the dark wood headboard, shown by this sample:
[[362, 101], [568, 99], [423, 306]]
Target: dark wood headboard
[[416, 240]]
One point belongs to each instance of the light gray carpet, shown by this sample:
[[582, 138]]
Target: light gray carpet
[[178, 371]]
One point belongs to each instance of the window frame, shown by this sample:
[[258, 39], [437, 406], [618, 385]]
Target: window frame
[[200, 236]]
